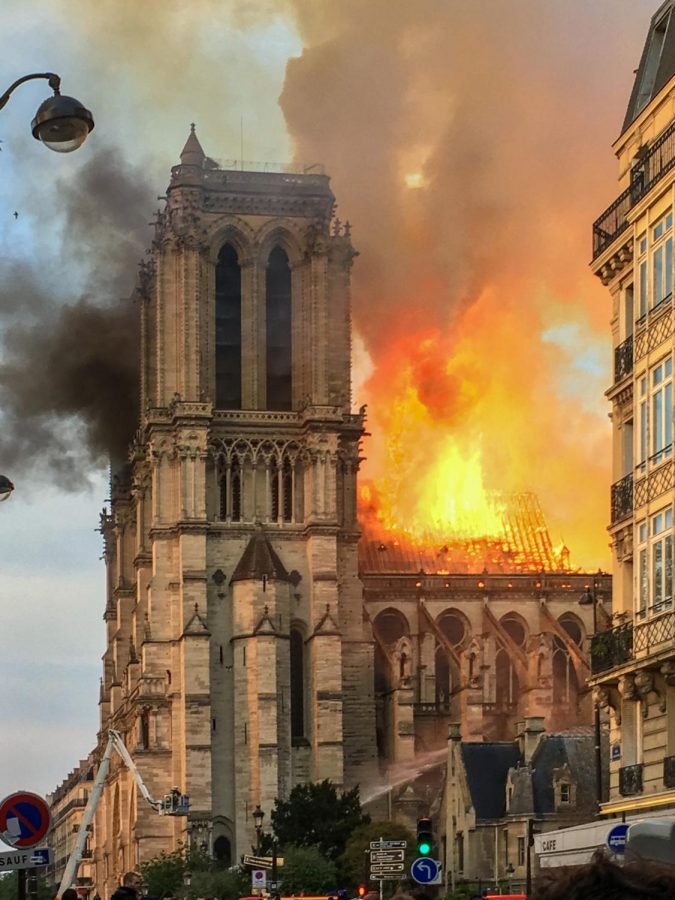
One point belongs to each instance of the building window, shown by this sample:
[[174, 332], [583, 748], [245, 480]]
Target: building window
[[655, 564], [565, 794], [297, 684], [228, 329], [281, 489], [662, 261], [644, 407], [521, 851], [231, 492], [460, 852], [278, 317], [662, 410], [642, 279]]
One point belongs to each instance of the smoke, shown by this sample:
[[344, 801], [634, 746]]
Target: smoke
[[469, 144], [69, 370]]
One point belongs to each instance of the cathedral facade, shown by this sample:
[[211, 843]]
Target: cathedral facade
[[238, 661], [253, 640]]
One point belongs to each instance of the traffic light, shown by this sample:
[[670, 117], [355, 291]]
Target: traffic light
[[361, 890], [425, 837]]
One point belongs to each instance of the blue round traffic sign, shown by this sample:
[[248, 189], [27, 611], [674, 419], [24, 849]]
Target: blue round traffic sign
[[424, 870], [616, 839], [24, 819]]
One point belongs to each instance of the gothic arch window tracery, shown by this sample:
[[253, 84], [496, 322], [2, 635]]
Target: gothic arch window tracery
[[228, 329], [507, 684], [278, 330]]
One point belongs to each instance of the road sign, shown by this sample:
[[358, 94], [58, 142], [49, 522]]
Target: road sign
[[399, 876], [388, 845], [258, 878], [24, 819], [25, 859], [387, 868], [262, 862], [426, 871], [616, 839], [386, 856]]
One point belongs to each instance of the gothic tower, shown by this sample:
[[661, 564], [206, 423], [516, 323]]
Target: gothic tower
[[238, 660]]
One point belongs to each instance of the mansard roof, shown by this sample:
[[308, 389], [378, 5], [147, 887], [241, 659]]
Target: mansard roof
[[258, 559], [487, 766], [657, 64]]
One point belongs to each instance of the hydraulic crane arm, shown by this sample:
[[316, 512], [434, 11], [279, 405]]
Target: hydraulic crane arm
[[173, 804]]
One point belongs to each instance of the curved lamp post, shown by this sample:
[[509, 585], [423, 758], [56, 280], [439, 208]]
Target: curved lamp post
[[6, 487], [61, 123]]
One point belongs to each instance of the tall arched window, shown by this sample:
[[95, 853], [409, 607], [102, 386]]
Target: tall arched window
[[297, 684], [228, 329], [278, 315]]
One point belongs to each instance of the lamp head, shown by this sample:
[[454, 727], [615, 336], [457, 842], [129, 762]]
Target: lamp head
[[258, 816], [587, 598], [62, 123], [6, 487]]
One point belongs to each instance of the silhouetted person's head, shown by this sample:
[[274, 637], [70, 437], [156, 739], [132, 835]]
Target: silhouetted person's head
[[603, 879]]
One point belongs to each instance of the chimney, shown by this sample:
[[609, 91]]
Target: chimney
[[528, 733]]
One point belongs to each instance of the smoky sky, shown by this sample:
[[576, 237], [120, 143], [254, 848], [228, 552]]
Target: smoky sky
[[69, 370]]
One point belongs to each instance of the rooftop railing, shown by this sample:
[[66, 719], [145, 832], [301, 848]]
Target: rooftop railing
[[651, 165]]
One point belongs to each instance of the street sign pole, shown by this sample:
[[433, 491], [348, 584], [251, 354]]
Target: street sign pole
[[381, 883]]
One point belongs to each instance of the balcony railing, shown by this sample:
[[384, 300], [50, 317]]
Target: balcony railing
[[655, 162], [623, 359], [610, 649], [669, 771], [630, 780], [622, 499], [652, 634]]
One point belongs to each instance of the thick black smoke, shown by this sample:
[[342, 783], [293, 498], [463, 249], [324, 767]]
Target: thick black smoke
[[69, 368]]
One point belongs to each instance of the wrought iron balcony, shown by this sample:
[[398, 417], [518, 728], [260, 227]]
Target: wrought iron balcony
[[622, 499], [653, 165], [630, 780], [610, 649], [669, 771], [623, 359]]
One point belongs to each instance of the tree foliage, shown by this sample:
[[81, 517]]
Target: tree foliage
[[316, 816], [306, 870], [164, 876], [9, 882], [354, 860]]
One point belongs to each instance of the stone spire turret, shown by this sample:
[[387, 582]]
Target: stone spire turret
[[192, 153]]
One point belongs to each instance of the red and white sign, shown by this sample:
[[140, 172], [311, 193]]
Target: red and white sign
[[24, 819]]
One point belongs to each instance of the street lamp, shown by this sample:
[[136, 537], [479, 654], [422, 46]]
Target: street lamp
[[258, 816], [187, 881], [6, 488], [61, 123], [590, 598], [510, 872]]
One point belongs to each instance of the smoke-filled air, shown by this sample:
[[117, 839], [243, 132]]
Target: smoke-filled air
[[469, 144]]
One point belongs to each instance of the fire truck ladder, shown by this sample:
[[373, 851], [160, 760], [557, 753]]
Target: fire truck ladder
[[172, 804]]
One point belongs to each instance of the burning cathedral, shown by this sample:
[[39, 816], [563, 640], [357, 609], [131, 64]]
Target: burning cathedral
[[256, 638]]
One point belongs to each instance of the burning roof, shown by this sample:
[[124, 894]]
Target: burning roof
[[522, 544]]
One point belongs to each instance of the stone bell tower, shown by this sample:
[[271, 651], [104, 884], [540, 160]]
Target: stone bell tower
[[238, 661]]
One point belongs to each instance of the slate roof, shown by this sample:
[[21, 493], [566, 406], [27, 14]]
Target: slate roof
[[487, 766], [258, 559], [553, 751], [657, 64]]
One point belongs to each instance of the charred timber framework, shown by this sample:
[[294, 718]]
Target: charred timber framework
[[651, 165]]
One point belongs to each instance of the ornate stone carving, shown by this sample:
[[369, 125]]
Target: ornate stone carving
[[627, 687]]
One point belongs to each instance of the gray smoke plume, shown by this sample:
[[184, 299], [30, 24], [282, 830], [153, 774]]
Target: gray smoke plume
[[69, 366]]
